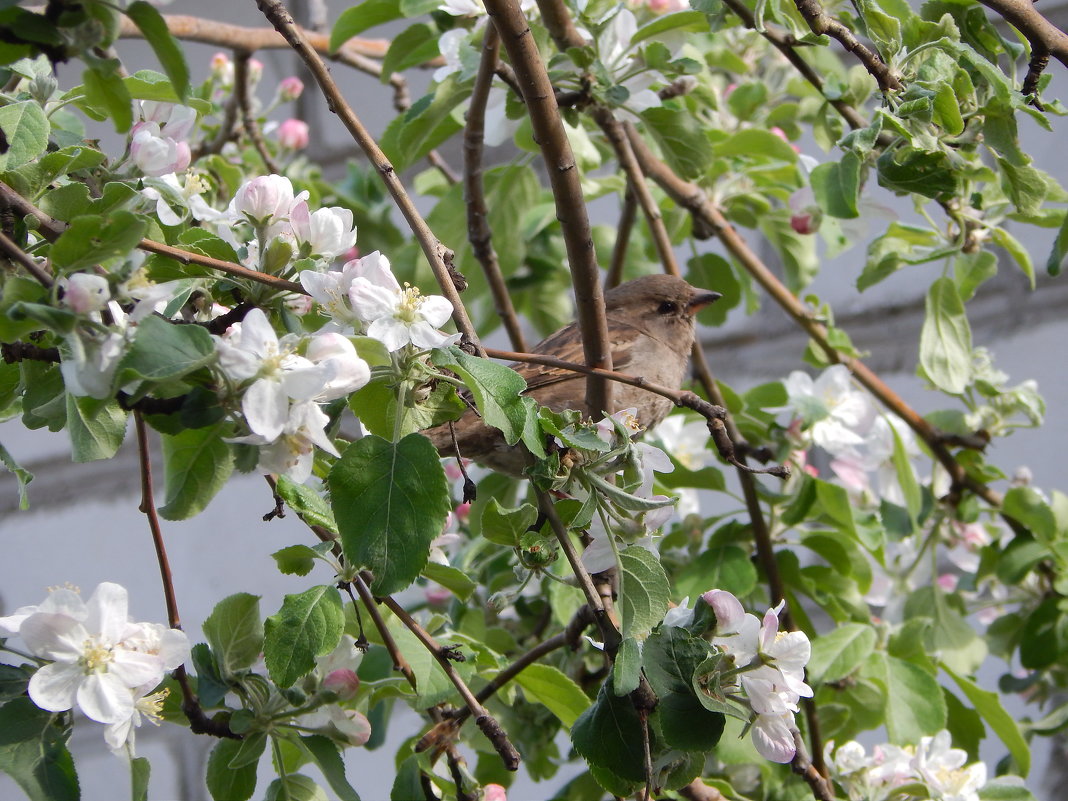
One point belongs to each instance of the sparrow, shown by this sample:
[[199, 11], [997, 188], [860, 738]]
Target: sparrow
[[651, 333]]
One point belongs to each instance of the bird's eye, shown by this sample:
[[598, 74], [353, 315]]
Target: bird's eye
[[668, 307]]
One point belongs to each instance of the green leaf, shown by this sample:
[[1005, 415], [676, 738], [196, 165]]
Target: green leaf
[[325, 753], [643, 591], [1025, 186], [837, 654], [1055, 260], [678, 21], [497, 391], [627, 670], [22, 475], [295, 560], [390, 500], [453, 579], [168, 51], [988, 705], [555, 691], [96, 428], [26, 128], [308, 625], [946, 339], [33, 753], [608, 735], [226, 783], [972, 269], [915, 705], [505, 526], [196, 465], [1000, 789], [357, 19], [295, 787], [715, 272], [140, 771], [727, 568], [1015, 248], [1025, 505], [105, 90], [91, 239], [682, 139], [908, 169], [671, 656], [163, 351], [755, 143], [428, 123], [416, 45], [234, 631], [307, 503], [836, 185]]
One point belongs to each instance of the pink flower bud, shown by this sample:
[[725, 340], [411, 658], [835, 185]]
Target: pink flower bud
[[436, 594], [255, 71], [222, 69], [293, 134], [494, 792], [728, 609], [804, 223], [343, 682], [948, 582], [85, 292], [463, 511], [264, 198], [779, 132], [352, 254], [290, 88]]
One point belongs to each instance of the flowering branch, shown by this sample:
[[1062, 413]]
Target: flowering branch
[[439, 256], [567, 191], [478, 230]]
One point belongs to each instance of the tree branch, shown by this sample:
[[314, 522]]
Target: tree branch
[[478, 230], [439, 256], [244, 103], [24, 260], [623, 230], [822, 23], [567, 191]]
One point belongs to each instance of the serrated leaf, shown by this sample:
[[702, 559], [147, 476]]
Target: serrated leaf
[[682, 140], [915, 705], [643, 591], [453, 579], [224, 782], [836, 185], [837, 654], [497, 391], [357, 19], [608, 735], [104, 89], [715, 272], [295, 560], [163, 351], [96, 428], [988, 705], [554, 690], [390, 500], [946, 339], [627, 670], [727, 568], [307, 503], [196, 465], [671, 656], [91, 239], [34, 755], [234, 631], [308, 625], [26, 128], [325, 753], [170, 54]]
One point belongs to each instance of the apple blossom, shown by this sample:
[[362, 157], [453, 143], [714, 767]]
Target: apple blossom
[[834, 411], [147, 705], [292, 451], [222, 69], [326, 232], [155, 153], [85, 292], [397, 316], [293, 134], [347, 371], [92, 662], [263, 200]]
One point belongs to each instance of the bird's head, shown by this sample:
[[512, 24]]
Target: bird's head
[[662, 305]]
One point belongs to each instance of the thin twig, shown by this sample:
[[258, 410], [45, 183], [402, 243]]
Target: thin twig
[[244, 102], [25, 261], [802, 765], [822, 23], [623, 230], [566, 185], [483, 719], [199, 722], [399, 662], [478, 230], [439, 256]]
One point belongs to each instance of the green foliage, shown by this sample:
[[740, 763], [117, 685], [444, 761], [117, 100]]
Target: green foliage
[[308, 625]]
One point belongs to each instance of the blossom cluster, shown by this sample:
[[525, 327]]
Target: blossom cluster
[[763, 667], [97, 659], [934, 763]]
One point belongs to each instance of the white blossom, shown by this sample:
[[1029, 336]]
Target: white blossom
[[326, 232], [263, 200], [833, 410]]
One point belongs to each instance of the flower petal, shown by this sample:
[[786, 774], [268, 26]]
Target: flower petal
[[104, 698]]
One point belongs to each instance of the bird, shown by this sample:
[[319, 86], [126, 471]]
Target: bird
[[651, 332]]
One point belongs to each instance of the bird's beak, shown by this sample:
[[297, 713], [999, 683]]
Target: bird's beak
[[702, 299]]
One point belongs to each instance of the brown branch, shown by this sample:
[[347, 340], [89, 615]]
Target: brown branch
[[786, 45], [439, 256], [802, 765], [23, 259], [244, 103], [622, 243], [697, 790], [399, 662], [822, 23], [1042, 34], [51, 229], [483, 719], [225, 132], [478, 230], [199, 722], [1035, 67], [564, 178]]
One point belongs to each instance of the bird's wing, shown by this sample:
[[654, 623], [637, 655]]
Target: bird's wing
[[566, 345]]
